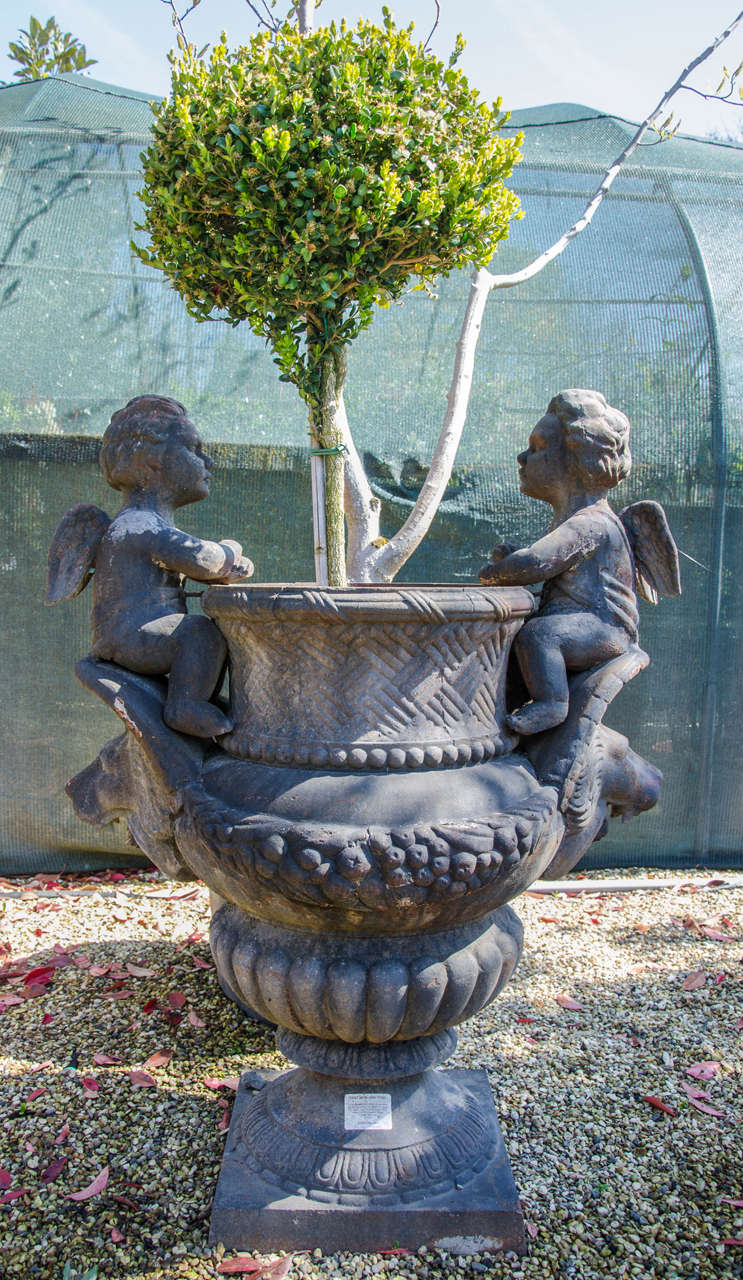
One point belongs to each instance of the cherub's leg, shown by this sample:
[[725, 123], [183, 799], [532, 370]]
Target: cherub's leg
[[547, 648], [198, 656], [543, 667]]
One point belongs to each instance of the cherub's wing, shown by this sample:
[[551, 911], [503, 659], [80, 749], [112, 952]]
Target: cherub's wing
[[655, 554], [72, 552]]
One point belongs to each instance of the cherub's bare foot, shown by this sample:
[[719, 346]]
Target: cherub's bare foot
[[535, 717], [198, 719]]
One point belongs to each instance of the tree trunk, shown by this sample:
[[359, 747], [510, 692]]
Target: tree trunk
[[327, 438]]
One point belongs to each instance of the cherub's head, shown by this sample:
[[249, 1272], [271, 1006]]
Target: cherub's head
[[580, 442], [596, 437], [151, 444]]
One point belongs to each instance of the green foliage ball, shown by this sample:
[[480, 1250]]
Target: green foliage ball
[[300, 180]]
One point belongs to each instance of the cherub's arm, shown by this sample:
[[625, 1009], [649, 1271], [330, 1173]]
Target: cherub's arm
[[196, 558], [562, 549]]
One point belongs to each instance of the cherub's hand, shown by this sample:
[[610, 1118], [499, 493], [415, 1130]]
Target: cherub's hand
[[489, 572], [242, 569], [502, 550]]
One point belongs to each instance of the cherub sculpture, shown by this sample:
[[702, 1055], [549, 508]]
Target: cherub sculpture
[[138, 560], [591, 560]]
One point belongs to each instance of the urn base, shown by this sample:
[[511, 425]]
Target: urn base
[[366, 1165]]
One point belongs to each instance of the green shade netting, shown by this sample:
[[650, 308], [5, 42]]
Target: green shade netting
[[646, 307]]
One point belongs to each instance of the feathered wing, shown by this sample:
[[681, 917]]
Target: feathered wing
[[72, 551], [654, 550]]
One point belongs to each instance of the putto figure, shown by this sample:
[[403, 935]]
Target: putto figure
[[138, 560], [591, 560]]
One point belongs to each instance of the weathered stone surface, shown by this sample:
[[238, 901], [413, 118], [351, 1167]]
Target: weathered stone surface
[[294, 1175]]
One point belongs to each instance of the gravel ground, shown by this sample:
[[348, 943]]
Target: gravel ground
[[614, 1056]]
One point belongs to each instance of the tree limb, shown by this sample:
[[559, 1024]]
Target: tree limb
[[381, 564]]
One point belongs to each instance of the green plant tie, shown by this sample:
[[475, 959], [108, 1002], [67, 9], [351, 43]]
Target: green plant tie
[[335, 452]]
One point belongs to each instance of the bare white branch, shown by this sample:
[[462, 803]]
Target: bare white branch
[[380, 564]]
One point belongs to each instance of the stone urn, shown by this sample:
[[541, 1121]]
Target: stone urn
[[362, 829]]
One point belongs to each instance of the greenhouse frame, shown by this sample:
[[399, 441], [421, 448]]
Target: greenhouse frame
[[646, 306]]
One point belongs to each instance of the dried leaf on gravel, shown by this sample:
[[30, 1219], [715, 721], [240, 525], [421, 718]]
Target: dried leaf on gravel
[[694, 981], [62, 1136], [659, 1104], [239, 1267], [703, 1070], [194, 1019], [53, 1170], [159, 1059], [568, 1002], [142, 1079], [231, 1082], [90, 1087], [94, 1188], [106, 1060], [705, 1107], [176, 999], [14, 1195], [5, 1179]]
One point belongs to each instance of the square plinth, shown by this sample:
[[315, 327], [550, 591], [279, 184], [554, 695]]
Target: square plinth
[[480, 1214]]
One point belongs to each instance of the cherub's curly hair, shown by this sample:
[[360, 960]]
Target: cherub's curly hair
[[596, 436], [134, 433]]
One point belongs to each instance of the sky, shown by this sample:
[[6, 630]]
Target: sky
[[616, 58]]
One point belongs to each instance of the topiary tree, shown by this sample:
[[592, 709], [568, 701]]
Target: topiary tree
[[46, 50], [302, 180]]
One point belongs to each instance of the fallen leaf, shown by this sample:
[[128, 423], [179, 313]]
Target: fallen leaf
[[394, 1253], [98, 1184], [703, 1070], [548, 919], [692, 1092], [733, 1240], [532, 1230], [276, 1270], [658, 1104], [41, 1067], [524, 1019], [567, 1002], [641, 928], [105, 1060], [149, 1006], [53, 1170], [737, 1204], [14, 1195], [5, 1179], [224, 1121], [705, 1107], [7, 1001], [43, 974], [239, 1267], [719, 977], [738, 1024], [172, 1018], [35, 1093], [159, 1059], [198, 963], [46, 1020], [194, 1019], [176, 999], [142, 1079], [694, 981], [230, 1082], [90, 1087], [99, 970], [139, 971], [117, 1235], [82, 961], [63, 1135]]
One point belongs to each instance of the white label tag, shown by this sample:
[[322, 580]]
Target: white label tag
[[368, 1111]]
